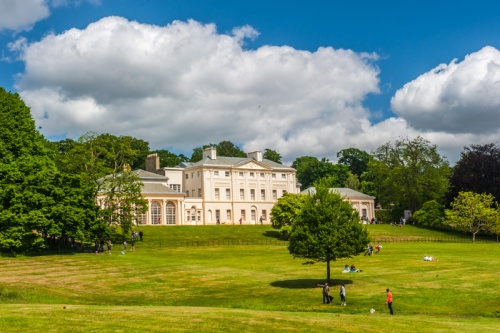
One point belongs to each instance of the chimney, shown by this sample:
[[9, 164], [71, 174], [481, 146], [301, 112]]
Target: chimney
[[210, 152], [256, 155], [152, 162]]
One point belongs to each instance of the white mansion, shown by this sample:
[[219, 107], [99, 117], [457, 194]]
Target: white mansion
[[218, 189]]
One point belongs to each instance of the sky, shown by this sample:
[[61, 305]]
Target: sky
[[299, 77]]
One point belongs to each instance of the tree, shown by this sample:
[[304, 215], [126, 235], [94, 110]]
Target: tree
[[285, 211], [431, 213], [39, 206], [408, 173], [229, 149], [327, 228], [357, 160], [478, 170], [472, 212], [310, 169], [272, 155], [169, 159]]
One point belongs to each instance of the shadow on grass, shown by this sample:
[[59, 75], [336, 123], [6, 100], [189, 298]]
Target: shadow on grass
[[271, 234], [306, 283]]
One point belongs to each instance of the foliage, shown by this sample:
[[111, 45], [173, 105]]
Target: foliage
[[310, 169], [285, 211], [224, 148], [39, 206], [357, 160], [353, 182], [383, 215], [272, 155], [408, 173], [431, 214], [478, 170], [169, 159], [327, 228], [472, 212]]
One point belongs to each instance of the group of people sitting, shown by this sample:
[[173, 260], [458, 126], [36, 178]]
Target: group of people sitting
[[353, 269]]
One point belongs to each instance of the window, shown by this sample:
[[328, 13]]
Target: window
[[192, 191], [263, 195], [252, 212], [242, 194], [261, 175], [199, 174], [363, 212], [170, 218], [252, 174], [226, 173], [273, 176], [155, 213], [216, 194], [228, 215], [283, 176], [228, 194], [275, 194], [252, 194], [176, 187], [241, 174], [264, 214], [187, 194], [199, 215], [141, 219], [199, 192], [187, 176], [216, 173], [243, 215]]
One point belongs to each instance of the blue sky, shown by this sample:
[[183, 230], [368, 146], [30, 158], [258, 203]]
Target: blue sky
[[270, 86]]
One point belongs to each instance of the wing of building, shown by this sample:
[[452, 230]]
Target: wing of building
[[364, 204], [215, 190]]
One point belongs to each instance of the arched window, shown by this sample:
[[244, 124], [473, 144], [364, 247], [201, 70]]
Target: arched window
[[141, 219], [170, 218], [155, 210]]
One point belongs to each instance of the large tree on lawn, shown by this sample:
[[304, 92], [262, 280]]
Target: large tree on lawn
[[327, 228]]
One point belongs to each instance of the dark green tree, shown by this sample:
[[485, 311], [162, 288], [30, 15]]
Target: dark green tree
[[357, 160], [327, 228], [229, 149], [431, 213], [310, 169], [169, 159], [272, 155], [285, 211], [478, 170]]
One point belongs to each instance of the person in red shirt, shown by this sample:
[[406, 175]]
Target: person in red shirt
[[389, 301]]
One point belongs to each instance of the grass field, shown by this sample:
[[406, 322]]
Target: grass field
[[241, 279]]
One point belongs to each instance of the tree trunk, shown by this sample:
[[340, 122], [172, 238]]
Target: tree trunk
[[328, 271]]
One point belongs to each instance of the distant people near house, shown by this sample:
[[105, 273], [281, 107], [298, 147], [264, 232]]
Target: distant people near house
[[261, 220], [369, 250], [241, 220], [141, 234], [378, 247], [218, 221]]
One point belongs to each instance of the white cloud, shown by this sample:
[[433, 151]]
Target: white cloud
[[461, 97], [21, 15], [185, 84]]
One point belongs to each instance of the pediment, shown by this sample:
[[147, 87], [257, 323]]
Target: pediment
[[253, 165]]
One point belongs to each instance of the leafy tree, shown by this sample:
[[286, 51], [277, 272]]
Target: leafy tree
[[357, 160], [310, 169], [478, 170], [353, 182], [37, 203], [327, 228], [431, 213], [272, 155], [408, 173], [472, 212], [169, 159], [285, 211], [141, 149], [224, 148]]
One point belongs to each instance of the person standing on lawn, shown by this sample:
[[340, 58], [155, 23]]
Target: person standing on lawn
[[389, 301], [342, 295]]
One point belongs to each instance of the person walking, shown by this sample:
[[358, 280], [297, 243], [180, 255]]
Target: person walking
[[342, 295], [389, 301], [141, 234], [327, 299], [124, 245]]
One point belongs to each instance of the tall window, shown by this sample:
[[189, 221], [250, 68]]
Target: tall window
[[228, 194], [263, 195], [275, 194], [264, 214], [170, 218], [141, 219], [253, 215], [228, 215], [155, 213], [243, 215], [217, 196], [252, 194], [242, 194], [199, 192]]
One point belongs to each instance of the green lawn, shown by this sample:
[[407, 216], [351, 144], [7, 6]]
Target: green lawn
[[251, 288]]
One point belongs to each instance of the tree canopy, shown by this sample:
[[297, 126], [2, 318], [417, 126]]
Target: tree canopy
[[224, 148], [473, 212], [431, 213], [285, 211], [169, 159], [408, 173], [272, 155], [356, 159], [310, 169], [326, 228], [478, 170]]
